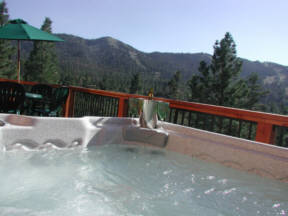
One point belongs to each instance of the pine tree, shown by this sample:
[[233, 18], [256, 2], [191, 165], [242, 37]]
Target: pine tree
[[135, 85], [42, 65], [219, 83], [103, 83], [173, 86], [7, 66]]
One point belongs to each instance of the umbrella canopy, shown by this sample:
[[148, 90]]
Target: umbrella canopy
[[19, 30]]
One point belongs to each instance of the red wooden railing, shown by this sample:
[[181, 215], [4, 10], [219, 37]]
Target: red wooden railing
[[265, 121]]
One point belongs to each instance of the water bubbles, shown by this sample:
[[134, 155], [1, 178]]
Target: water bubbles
[[210, 177], [76, 142], [167, 172], [222, 181], [79, 186], [188, 190], [228, 191], [166, 186], [193, 179], [244, 199], [209, 191]]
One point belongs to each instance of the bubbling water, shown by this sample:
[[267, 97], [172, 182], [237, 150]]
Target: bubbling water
[[130, 180]]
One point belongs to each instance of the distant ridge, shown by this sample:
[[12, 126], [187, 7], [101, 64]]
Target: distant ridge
[[109, 53], [107, 56]]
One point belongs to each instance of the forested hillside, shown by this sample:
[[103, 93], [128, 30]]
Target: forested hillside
[[107, 63], [108, 53]]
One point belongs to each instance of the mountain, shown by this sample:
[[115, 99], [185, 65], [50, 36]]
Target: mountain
[[108, 63], [110, 55], [98, 56]]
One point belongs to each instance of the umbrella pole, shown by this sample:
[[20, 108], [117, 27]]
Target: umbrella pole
[[18, 62]]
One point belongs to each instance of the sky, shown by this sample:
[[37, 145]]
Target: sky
[[259, 27]]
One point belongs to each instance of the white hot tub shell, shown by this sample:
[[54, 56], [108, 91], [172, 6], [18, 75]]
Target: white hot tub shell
[[36, 133]]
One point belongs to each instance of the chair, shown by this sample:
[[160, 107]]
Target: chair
[[59, 98], [12, 96], [54, 105], [39, 106], [44, 90]]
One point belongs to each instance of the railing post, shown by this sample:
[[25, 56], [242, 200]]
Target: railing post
[[265, 133], [69, 105], [122, 107]]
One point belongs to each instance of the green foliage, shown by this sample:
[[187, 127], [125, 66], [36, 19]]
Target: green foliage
[[251, 94], [174, 86], [80, 58], [135, 85], [7, 66], [42, 64], [277, 99], [4, 16], [220, 84]]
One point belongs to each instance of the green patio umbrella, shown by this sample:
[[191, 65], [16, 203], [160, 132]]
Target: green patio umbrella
[[19, 30]]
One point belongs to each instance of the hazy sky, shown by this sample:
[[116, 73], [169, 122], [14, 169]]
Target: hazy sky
[[259, 27]]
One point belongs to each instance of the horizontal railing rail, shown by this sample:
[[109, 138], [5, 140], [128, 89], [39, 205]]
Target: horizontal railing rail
[[254, 125], [215, 123]]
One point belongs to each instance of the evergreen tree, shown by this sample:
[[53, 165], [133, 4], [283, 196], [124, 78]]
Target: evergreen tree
[[4, 16], [173, 86], [42, 65], [251, 93], [135, 85], [277, 100], [7, 66], [103, 83], [219, 83]]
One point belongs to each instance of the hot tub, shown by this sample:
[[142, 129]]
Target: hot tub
[[110, 166]]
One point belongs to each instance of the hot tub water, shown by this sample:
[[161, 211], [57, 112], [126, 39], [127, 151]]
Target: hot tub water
[[130, 180]]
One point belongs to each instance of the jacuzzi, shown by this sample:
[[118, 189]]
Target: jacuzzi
[[111, 166]]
